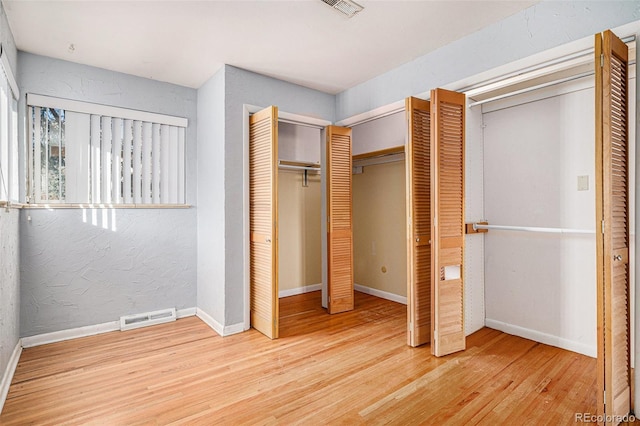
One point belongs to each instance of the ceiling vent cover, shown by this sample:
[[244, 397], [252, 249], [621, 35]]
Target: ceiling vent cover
[[347, 7]]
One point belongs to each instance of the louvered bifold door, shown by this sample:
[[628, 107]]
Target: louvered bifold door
[[339, 220], [263, 184], [447, 212], [419, 220], [612, 205]]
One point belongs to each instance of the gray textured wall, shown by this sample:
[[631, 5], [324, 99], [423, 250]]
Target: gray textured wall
[[543, 26], [244, 87], [84, 267], [9, 245], [76, 274]]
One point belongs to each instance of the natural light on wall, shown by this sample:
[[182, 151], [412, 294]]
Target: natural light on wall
[[8, 133], [87, 153]]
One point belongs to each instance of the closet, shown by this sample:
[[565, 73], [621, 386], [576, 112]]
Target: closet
[[559, 202]]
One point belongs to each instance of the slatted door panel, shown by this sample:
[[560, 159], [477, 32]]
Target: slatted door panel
[[612, 157], [339, 218], [419, 220], [447, 204], [263, 184]]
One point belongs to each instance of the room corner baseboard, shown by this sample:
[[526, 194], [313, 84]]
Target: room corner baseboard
[[7, 376], [89, 330], [381, 294], [217, 327], [299, 290], [547, 339]]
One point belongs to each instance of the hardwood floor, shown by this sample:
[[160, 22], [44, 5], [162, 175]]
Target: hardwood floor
[[351, 368]]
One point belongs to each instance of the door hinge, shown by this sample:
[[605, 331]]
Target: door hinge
[[602, 223], [602, 60]]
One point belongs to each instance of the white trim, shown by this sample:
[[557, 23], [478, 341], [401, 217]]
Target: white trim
[[547, 339], [222, 331], [288, 117], [9, 372], [89, 330], [72, 333], [382, 294], [299, 290], [6, 66], [374, 114], [233, 329], [208, 319], [104, 110], [186, 312]]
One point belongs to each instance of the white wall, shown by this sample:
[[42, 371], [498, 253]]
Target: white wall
[[382, 133], [211, 198], [299, 144], [75, 273], [474, 293], [542, 286]]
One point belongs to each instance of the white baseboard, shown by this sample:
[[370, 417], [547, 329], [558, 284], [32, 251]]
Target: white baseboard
[[89, 330], [217, 327], [187, 312], [8, 373], [299, 290], [381, 294], [547, 339], [208, 319]]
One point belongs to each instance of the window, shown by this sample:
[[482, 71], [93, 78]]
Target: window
[[89, 153], [8, 133]]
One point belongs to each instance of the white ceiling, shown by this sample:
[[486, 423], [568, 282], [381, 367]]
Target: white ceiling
[[303, 41]]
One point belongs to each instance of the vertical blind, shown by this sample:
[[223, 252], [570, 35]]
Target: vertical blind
[[80, 157]]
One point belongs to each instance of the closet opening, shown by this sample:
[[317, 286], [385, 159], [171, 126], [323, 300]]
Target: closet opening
[[299, 218], [379, 208]]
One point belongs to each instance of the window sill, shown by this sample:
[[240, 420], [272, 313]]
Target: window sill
[[52, 206], [10, 205]]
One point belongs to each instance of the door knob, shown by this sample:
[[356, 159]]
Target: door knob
[[617, 257]]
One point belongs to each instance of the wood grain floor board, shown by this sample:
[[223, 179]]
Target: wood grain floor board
[[351, 368]]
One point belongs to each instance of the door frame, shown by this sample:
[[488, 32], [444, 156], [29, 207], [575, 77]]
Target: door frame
[[247, 110]]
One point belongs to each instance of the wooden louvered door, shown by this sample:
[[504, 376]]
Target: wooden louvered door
[[263, 214], [447, 211], [339, 220], [612, 216], [418, 221]]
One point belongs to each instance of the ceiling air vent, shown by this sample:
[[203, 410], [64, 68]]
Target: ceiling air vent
[[347, 7]]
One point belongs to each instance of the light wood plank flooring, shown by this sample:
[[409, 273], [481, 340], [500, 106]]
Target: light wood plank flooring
[[351, 368]]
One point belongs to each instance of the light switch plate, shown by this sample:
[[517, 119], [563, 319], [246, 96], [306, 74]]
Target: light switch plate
[[583, 183]]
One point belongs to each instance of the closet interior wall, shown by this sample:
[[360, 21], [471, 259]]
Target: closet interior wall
[[299, 206], [379, 203], [539, 170]]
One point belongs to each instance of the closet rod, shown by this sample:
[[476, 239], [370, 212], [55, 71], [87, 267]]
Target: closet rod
[[563, 59], [532, 88], [477, 226], [307, 168]]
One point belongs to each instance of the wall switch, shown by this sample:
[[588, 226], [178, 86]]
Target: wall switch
[[583, 183]]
